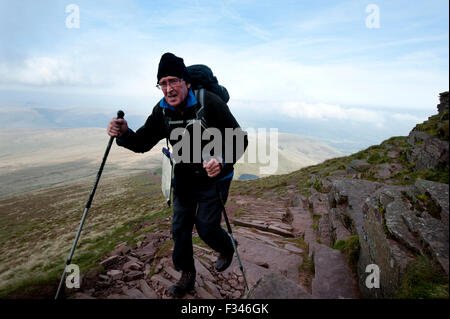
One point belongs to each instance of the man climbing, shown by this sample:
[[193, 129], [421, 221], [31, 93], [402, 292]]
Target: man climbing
[[200, 188]]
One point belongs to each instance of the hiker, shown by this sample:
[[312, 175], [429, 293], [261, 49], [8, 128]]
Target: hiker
[[196, 185]]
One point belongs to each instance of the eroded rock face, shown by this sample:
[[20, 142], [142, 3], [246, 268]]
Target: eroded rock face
[[396, 210], [359, 165], [438, 193], [443, 105], [394, 225], [428, 152], [435, 238], [394, 232], [345, 200], [377, 248], [386, 170]]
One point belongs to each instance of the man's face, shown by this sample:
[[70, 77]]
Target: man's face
[[175, 90]]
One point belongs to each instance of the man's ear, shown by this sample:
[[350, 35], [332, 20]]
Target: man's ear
[[188, 85]]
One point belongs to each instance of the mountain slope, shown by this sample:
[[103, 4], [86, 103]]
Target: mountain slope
[[307, 234], [313, 232]]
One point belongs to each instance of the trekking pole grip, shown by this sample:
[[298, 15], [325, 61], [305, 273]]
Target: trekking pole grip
[[120, 114]]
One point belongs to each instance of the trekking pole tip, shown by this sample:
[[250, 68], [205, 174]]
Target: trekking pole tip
[[120, 114]]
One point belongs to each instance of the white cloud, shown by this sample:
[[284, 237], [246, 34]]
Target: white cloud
[[331, 112], [266, 74], [405, 117], [44, 71]]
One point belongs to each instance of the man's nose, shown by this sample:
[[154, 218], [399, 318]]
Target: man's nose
[[169, 88]]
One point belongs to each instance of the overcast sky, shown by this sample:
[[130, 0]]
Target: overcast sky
[[376, 63]]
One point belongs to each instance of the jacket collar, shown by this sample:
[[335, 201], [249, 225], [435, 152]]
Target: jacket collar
[[191, 101]]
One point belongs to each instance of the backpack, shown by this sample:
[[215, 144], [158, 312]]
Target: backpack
[[203, 77]]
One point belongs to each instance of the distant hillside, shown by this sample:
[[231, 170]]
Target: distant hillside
[[37, 158], [346, 135], [293, 152], [44, 118], [33, 159]]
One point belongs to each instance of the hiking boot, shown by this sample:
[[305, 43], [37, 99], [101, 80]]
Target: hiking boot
[[224, 260], [184, 285]]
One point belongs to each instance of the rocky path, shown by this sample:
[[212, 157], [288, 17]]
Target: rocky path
[[276, 237]]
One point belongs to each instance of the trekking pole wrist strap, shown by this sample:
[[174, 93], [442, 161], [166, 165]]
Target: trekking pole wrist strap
[[220, 161]]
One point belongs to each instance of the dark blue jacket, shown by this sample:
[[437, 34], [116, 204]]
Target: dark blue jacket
[[217, 114]]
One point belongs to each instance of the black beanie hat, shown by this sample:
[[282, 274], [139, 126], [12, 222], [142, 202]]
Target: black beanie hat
[[171, 65]]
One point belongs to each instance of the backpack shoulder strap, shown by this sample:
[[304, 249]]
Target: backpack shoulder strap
[[166, 121], [200, 112]]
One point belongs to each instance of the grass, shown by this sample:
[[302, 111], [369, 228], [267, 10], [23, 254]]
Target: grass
[[199, 242], [399, 141], [306, 192], [316, 219], [423, 280], [307, 265], [347, 222], [37, 241], [376, 158], [299, 242], [318, 185], [382, 211], [239, 213], [288, 218], [408, 177], [163, 251], [431, 207], [304, 179], [431, 126], [306, 270], [350, 248]]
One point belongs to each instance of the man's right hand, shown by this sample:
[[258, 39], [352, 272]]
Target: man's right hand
[[117, 127]]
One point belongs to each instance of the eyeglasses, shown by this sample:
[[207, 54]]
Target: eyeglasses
[[171, 82]]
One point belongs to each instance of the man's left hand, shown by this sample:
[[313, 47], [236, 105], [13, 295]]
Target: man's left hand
[[213, 167]]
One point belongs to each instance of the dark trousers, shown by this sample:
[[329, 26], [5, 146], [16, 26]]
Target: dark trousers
[[201, 206]]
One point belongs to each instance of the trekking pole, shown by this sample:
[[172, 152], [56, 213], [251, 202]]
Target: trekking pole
[[233, 241], [120, 115]]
